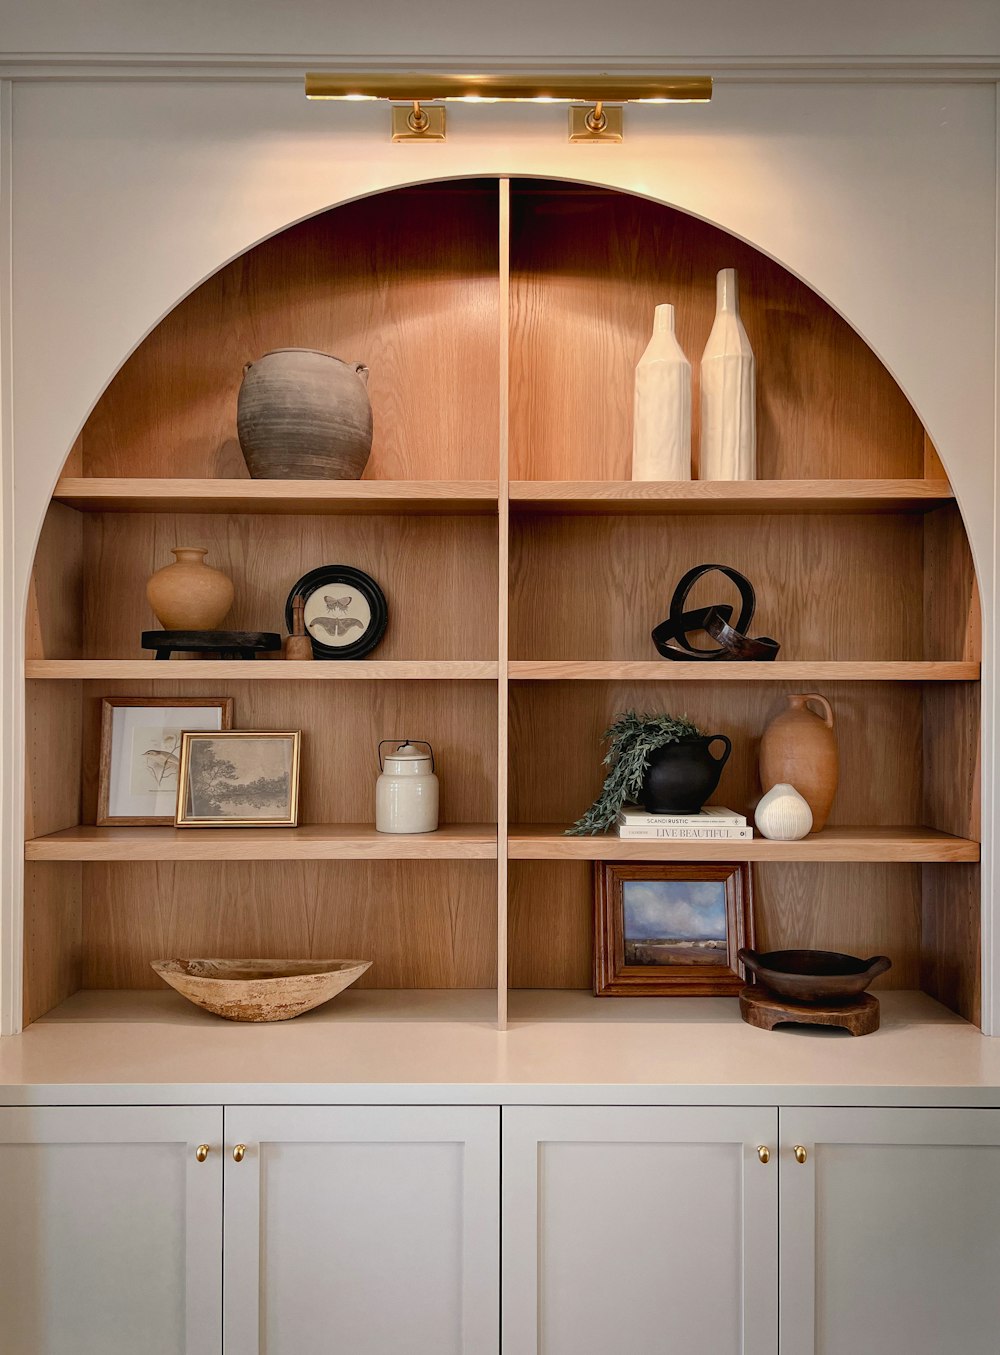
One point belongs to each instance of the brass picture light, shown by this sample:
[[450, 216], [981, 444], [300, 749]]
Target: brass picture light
[[595, 112]]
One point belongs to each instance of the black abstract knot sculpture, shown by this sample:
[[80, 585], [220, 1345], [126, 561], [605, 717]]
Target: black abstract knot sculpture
[[670, 636]]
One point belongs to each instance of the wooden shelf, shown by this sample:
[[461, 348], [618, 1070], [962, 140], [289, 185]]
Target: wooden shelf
[[665, 670], [547, 842], [451, 670], [145, 1007], [277, 496], [149, 670], [312, 842], [728, 496], [478, 842]]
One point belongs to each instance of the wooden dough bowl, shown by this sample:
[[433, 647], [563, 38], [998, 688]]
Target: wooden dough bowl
[[259, 990]]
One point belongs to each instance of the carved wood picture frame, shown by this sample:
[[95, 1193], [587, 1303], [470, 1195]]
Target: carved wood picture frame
[[700, 921]]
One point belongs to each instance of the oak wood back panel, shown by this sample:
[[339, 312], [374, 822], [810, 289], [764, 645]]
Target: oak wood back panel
[[588, 266], [861, 909], [405, 282], [439, 574], [556, 747], [426, 924], [845, 587], [342, 723]]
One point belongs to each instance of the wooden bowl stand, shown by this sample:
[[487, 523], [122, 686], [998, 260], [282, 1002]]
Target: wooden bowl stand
[[761, 1008]]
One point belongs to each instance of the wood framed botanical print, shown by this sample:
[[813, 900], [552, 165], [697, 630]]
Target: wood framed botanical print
[[671, 930], [239, 779], [141, 754]]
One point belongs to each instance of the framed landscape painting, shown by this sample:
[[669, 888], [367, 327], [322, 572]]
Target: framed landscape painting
[[671, 930], [240, 778]]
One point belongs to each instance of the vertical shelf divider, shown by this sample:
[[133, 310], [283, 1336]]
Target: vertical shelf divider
[[503, 582]]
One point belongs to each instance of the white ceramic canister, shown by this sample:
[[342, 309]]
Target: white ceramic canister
[[406, 793]]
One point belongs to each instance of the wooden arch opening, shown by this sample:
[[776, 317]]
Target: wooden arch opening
[[501, 324]]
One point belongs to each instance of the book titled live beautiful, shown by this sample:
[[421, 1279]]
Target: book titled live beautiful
[[713, 824]]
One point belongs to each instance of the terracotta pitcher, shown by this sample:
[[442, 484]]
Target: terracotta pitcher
[[799, 747]]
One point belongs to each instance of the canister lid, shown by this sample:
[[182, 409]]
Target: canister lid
[[409, 760]]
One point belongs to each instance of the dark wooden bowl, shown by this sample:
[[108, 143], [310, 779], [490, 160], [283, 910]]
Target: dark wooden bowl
[[813, 975]]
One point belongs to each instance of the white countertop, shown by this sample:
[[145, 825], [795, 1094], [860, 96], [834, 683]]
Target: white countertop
[[442, 1047]]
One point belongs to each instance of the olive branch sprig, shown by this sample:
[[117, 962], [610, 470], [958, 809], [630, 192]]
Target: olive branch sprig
[[631, 739]]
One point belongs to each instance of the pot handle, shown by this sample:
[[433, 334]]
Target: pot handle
[[362, 371], [827, 716], [713, 738], [877, 965]]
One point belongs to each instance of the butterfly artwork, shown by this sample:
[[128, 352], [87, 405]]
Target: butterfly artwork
[[337, 625], [344, 611]]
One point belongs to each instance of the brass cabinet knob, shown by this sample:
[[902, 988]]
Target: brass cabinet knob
[[800, 1153], [239, 1152], [201, 1152], [764, 1153]]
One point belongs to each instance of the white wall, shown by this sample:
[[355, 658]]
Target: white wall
[[126, 194], [528, 28]]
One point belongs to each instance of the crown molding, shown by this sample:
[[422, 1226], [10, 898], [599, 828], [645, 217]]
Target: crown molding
[[291, 67]]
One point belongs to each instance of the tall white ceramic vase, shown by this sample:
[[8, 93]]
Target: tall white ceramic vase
[[728, 398], [661, 430]]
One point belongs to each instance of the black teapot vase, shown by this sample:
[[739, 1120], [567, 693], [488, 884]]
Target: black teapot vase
[[681, 776]]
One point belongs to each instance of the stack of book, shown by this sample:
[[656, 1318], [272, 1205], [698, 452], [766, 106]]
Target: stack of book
[[712, 824]]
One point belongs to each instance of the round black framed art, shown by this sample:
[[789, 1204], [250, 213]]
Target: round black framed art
[[345, 611]]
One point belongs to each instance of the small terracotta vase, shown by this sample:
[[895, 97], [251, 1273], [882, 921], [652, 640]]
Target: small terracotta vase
[[188, 595], [799, 748]]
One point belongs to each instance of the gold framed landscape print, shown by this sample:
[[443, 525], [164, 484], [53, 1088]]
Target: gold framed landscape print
[[241, 778]]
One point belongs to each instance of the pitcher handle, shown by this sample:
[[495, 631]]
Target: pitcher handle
[[714, 738], [827, 708]]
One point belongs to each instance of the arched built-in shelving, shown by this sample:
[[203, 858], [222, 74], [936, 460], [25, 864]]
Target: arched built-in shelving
[[524, 572]]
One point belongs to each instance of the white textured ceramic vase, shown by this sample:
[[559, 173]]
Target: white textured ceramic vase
[[661, 430], [728, 398], [783, 814]]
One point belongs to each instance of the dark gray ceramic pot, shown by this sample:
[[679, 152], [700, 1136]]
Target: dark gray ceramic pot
[[681, 776], [303, 415]]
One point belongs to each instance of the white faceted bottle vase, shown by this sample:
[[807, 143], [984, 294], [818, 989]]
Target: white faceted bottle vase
[[728, 395], [661, 430]]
